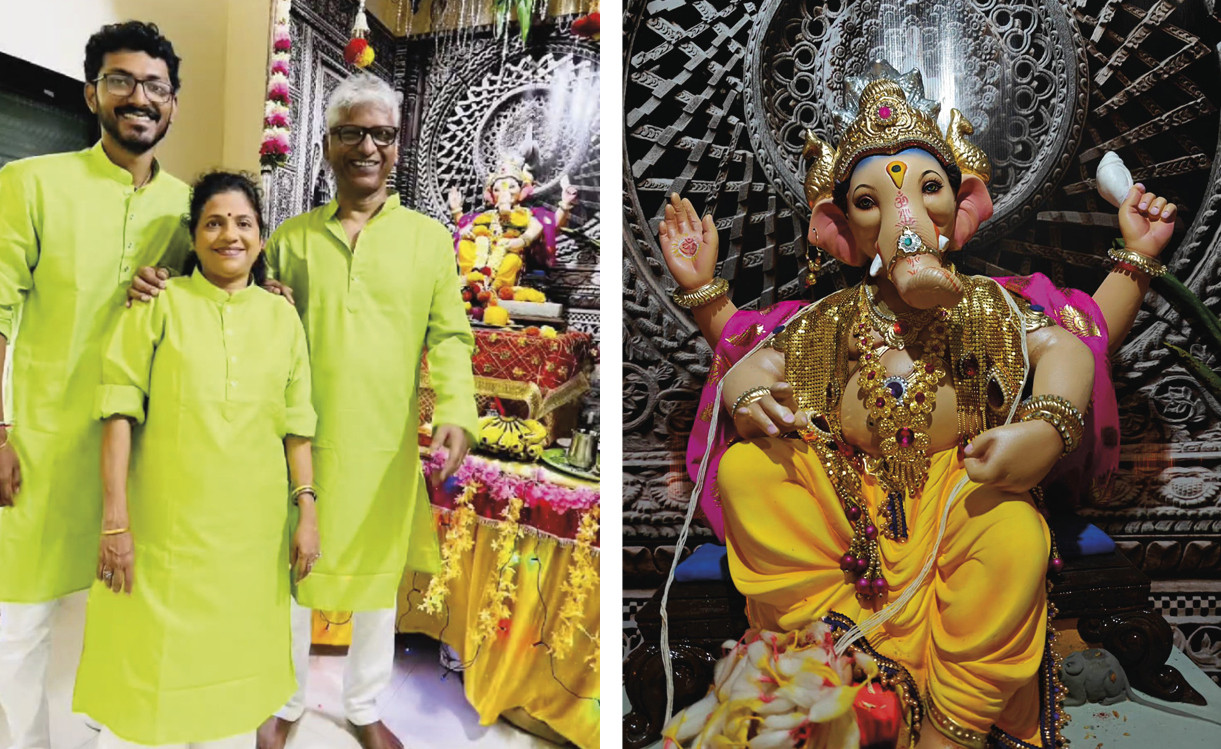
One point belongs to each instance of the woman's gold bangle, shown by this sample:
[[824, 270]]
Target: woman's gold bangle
[[307, 489], [116, 531], [1147, 265], [750, 396], [711, 291]]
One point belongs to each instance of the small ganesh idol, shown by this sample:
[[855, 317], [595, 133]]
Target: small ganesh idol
[[876, 461], [501, 241]]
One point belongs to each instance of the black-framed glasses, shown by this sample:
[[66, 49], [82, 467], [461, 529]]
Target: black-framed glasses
[[124, 85], [351, 135]]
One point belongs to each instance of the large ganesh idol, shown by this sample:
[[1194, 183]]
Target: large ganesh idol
[[500, 241], [876, 461]]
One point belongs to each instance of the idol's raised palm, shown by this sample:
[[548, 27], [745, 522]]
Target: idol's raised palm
[[688, 244]]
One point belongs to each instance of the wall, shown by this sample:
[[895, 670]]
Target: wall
[[223, 46]]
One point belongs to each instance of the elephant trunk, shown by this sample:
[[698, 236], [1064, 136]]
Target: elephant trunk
[[914, 260]]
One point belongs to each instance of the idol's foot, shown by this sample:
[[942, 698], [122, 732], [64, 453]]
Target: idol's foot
[[273, 734], [377, 736]]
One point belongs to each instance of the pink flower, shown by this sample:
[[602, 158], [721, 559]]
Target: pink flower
[[507, 488], [277, 88], [279, 65], [281, 41], [466, 472]]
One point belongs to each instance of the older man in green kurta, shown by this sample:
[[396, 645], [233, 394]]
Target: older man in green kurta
[[374, 283], [74, 228]]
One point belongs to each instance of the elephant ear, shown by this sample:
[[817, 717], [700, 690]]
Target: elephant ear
[[829, 230], [488, 197], [526, 192], [974, 208]]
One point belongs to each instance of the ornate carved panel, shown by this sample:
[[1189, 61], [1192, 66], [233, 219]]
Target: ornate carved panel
[[473, 99], [712, 92]]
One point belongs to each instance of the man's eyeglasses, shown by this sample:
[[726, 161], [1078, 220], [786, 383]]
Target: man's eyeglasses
[[123, 85], [351, 135]]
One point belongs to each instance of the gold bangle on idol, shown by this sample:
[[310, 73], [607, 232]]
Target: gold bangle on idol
[[1060, 413], [750, 396], [1149, 266], [709, 292]]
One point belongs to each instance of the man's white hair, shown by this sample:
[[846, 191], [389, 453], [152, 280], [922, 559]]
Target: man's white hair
[[362, 88]]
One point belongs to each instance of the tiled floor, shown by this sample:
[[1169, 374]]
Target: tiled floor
[[424, 708]]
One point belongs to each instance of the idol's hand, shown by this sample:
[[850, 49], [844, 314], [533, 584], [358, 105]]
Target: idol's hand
[[453, 439], [1014, 457], [275, 287], [1146, 221], [772, 415], [10, 473], [455, 200], [117, 562], [688, 244], [307, 548], [146, 284], [568, 192]]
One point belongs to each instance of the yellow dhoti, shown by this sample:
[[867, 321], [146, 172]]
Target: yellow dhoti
[[974, 634]]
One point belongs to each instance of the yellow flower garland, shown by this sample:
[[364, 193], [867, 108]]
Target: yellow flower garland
[[459, 540], [582, 578], [498, 600]]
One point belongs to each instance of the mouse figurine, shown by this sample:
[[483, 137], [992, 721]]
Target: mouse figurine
[[1093, 675]]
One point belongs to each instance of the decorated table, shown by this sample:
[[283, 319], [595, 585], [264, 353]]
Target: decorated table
[[517, 595], [534, 376]]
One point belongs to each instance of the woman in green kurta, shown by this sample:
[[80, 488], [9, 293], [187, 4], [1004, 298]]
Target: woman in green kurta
[[216, 370]]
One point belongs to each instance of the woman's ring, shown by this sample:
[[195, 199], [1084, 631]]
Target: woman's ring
[[107, 575]]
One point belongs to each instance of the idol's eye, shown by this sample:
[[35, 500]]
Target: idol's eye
[[932, 186], [864, 203]]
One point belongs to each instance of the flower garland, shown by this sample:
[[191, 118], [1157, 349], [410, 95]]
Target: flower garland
[[274, 151], [496, 612], [503, 485], [459, 540], [582, 579]]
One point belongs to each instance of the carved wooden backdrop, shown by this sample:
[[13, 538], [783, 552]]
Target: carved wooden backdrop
[[464, 97], [715, 95]]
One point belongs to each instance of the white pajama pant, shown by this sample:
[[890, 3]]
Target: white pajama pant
[[244, 741], [369, 666], [25, 654]]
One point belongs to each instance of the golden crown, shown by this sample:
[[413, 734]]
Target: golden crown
[[511, 169], [886, 123]]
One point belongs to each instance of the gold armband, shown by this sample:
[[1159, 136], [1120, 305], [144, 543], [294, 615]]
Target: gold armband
[[1129, 259], [1058, 412], [709, 292]]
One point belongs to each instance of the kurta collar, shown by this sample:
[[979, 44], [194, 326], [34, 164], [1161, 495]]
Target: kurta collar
[[216, 294], [329, 213], [115, 172]]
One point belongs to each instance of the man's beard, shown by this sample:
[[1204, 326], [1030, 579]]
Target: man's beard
[[110, 123]]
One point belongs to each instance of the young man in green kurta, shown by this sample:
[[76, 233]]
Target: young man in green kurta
[[74, 228], [375, 284]]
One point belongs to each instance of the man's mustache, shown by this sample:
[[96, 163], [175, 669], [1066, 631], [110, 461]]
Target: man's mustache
[[152, 114]]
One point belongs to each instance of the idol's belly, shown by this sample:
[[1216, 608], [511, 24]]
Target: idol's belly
[[860, 428]]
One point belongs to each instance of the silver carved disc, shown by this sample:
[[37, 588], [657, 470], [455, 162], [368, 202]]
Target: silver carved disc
[[1015, 69]]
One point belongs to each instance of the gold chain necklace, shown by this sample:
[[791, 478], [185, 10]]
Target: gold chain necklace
[[898, 331]]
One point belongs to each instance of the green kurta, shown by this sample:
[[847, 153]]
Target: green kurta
[[368, 315], [73, 232], [226, 378]]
